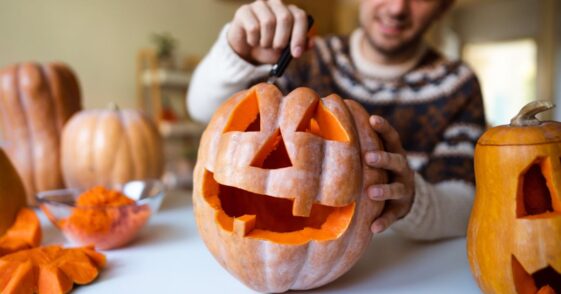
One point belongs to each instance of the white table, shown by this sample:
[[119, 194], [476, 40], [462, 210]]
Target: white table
[[169, 257]]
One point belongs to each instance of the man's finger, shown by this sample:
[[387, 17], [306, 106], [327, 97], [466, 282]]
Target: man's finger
[[250, 24], [267, 23], [390, 136], [381, 223], [394, 162], [285, 21], [299, 31], [393, 191]]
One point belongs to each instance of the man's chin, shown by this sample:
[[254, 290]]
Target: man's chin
[[394, 48]]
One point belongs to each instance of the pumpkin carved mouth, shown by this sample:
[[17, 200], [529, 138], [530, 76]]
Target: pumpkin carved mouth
[[545, 280], [265, 217]]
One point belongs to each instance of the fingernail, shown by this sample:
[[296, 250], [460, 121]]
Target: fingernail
[[375, 193], [372, 157], [297, 51], [377, 228], [376, 120]]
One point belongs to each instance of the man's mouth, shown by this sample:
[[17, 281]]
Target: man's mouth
[[390, 26]]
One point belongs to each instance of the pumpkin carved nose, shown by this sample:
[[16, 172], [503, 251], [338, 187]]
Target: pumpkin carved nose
[[273, 154]]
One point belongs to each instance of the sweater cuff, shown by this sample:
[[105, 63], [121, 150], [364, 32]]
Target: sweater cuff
[[232, 65], [412, 221]]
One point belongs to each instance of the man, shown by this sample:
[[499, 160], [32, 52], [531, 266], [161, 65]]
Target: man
[[427, 110]]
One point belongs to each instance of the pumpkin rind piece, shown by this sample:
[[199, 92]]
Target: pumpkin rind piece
[[35, 102], [279, 261], [25, 233], [50, 269]]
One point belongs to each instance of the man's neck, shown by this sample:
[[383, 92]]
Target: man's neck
[[377, 56], [376, 65]]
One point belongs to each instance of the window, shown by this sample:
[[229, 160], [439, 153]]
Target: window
[[507, 72]]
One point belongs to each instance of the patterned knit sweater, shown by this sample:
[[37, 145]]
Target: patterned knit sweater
[[434, 104]]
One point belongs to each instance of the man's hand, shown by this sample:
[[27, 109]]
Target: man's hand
[[260, 30], [400, 191]]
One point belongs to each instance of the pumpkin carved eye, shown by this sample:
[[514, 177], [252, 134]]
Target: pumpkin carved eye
[[535, 198], [245, 117], [319, 121]]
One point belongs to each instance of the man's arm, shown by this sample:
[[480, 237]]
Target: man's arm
[[219, 75], [445, 186]]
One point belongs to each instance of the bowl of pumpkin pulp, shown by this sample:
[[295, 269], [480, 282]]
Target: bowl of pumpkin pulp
[[106, 218]]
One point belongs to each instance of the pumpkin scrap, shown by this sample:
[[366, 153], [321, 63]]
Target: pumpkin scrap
[[25, 233], [105, 218], [49, 269]]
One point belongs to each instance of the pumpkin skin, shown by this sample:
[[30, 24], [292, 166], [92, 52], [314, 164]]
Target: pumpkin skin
[[279, 187], [35, 102], [12, 193], [108, 147], [514, 233]]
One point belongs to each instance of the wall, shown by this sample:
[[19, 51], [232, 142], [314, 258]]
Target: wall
[[100, 39]]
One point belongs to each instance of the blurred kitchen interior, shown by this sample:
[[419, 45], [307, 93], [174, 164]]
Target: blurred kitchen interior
[[513, 45]]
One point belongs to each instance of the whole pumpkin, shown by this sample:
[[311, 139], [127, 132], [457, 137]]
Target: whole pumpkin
[[107, 147], [279, 187], [514, 234], [36, 100], [12, 193]]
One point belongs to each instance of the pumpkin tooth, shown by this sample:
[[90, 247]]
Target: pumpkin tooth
[[302, 207], [244, 224]]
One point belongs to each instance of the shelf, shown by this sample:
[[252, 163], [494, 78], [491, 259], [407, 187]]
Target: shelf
[[181, 129], [165, 77]]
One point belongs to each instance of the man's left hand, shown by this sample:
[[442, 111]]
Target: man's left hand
[[400, 191]]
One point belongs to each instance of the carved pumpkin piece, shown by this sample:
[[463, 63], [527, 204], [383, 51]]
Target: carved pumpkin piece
[[279, 187], [514, 234], [283, 219]]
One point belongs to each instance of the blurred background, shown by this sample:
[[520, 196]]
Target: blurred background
[[140, 53]]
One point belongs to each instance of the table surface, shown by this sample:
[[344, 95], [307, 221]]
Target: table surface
[[168, 256]]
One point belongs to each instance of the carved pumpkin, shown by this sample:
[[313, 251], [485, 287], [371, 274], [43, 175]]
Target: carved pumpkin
[[278, 187], [514, 235], [35, 102], [107, 147], [12, 193]]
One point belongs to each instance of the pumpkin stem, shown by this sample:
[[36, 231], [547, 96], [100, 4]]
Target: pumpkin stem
[[527, 115], [113, 106]]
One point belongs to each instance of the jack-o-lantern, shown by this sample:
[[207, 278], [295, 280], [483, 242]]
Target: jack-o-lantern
[[279, 187], [514, 235]]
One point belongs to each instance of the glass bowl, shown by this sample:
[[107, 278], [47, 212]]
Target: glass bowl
[[105, 227]]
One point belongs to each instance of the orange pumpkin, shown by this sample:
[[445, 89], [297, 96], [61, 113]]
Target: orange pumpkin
[[35, 102], [12, 193], [279, 187], [514, 235], [106, 147]]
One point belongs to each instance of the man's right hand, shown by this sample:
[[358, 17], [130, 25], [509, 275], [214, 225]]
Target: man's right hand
[[261, 30]]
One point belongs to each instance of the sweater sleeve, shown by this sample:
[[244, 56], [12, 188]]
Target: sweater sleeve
[[220, 74], [445, 186]]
